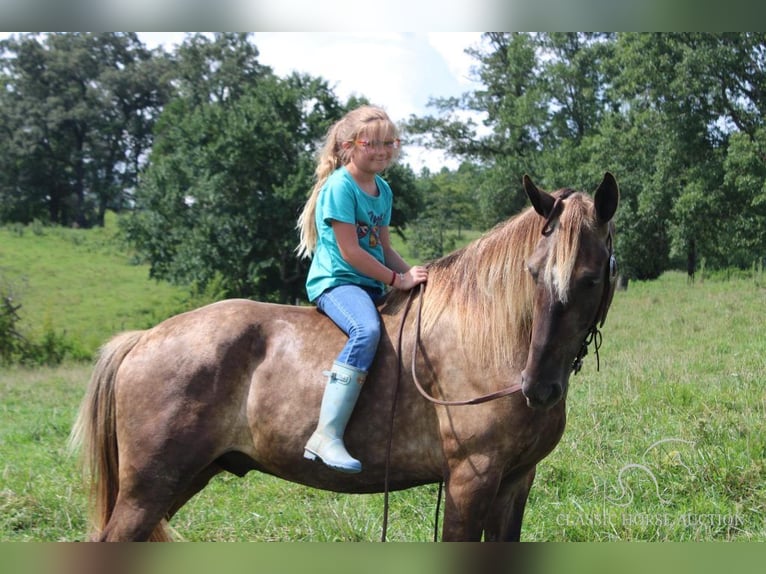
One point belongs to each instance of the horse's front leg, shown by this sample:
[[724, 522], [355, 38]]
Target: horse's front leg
[[507, 511], [469, 491]]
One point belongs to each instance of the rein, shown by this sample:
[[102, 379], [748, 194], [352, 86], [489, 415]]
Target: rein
[[515, 388]]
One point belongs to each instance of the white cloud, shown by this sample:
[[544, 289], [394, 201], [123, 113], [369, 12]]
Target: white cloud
[[452, 46], [399, 71]]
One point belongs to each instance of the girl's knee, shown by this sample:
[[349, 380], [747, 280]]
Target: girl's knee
[[366, 334]]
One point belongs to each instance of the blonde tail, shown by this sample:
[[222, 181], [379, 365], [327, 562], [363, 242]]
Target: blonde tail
[[94, 433]]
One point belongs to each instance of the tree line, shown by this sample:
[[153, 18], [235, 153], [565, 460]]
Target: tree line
[[209, 155]]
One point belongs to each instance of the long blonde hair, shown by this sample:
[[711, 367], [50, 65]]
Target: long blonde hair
[[371, 121]]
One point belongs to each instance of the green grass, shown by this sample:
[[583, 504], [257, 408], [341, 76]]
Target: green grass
[[80, 283], [680, 364], [405, 250], [667, 442]]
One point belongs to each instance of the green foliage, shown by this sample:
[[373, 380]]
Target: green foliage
[[677, 117], [15, 348], [11, 340], [76, 288], [449, 206], [229, 172], [76, 118]]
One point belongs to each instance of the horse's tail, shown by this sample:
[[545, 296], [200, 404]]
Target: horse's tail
[[95, 432]]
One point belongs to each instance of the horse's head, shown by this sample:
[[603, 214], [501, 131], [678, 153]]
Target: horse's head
[[574, 270]]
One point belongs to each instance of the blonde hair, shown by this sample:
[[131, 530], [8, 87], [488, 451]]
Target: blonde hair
[[370, 121]]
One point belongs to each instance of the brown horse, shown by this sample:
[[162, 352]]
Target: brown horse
[[236, 385]]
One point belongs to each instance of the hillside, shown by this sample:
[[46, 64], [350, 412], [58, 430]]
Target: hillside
[[80, 283]]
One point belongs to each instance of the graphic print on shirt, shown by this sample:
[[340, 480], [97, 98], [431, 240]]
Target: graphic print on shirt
[[363, 229]]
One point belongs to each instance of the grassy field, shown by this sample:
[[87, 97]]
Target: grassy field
[[666, 442], [80, 283]]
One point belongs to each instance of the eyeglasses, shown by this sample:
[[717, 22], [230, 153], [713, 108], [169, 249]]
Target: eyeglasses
[[376, 145]]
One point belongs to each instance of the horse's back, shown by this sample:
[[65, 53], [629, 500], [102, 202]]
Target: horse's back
[[198, 367]]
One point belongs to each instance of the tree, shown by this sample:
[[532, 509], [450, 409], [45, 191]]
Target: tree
[[541, 95], [707, 89], [677, 117], [449, 206], [511, 103], [77, 115], [229, 172], [224, 187]]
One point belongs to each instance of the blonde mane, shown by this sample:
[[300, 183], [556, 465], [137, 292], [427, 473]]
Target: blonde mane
[[485, 292]]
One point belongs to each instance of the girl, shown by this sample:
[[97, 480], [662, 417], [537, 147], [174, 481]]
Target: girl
[[344, 228]]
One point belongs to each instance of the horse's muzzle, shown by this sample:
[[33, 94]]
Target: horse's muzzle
[[540, 394]]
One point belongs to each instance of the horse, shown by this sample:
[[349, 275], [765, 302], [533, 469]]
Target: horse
[[236, 385]]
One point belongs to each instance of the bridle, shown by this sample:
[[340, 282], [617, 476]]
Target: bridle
[[594, 332], [592, 337]]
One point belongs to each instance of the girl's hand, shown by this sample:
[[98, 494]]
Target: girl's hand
[[415, 276]]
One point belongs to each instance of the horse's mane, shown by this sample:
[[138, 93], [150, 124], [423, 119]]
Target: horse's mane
[[485, 291]]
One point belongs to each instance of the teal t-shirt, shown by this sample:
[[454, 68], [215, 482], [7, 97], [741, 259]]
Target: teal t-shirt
[[341, 199]]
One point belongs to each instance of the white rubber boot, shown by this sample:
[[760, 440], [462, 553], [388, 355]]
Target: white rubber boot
[[340, 395]]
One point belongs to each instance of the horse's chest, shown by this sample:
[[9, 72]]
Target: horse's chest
[[519, 437], [534, 438]]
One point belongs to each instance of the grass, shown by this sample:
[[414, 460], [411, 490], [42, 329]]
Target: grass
[[80, 283], [672, 427], [405, 250], [666, 442]]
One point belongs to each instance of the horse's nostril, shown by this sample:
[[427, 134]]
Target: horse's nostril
[[539, 395]]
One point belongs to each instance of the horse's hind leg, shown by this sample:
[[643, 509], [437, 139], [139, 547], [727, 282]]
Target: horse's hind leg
[[505, 518], [149, 493], [200, 481], [131, 522]]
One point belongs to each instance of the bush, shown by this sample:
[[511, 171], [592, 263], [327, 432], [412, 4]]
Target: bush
[[11, 341], [15, 348]]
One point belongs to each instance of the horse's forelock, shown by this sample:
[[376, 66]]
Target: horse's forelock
[[557, 273]]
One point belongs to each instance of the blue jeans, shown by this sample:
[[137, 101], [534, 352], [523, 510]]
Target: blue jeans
[[353, 309]]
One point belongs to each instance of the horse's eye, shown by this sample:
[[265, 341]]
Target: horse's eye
[[591, 281], [588, 280], [533, 271]]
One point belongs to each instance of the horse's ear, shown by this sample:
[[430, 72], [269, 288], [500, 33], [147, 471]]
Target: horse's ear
[[541, 200], [606, 198]]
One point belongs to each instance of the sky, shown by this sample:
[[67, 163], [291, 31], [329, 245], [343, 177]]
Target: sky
[[399, 71]]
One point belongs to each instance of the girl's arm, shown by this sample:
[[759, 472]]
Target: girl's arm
[[407, 277]]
